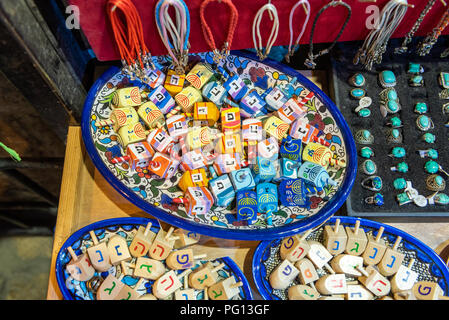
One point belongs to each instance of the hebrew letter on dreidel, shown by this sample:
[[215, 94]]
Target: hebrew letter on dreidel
[[375, 248]]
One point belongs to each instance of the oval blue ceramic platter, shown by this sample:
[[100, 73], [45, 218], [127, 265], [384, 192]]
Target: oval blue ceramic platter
[[72, 289], [150, 194], [428, 265]]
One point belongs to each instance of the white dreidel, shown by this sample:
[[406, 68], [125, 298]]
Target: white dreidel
[[374, 281], [405, 278], [225, 289], [283, 275], [204, 276], [185, 293], [302, 292], [427, 290], [392, 259], [162, 244], [335, 238], [186, 238], [118, 250], [295, 247], [307, 271], [357, 240], [182, 259], [332, 284], [80, 267], [375, 248], [142, 241], [147, 268], [319, 255], [168, 283], [347, 264], [99, 254], [109, 288], [358, 292]]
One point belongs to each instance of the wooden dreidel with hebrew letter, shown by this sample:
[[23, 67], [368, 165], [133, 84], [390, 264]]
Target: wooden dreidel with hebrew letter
[[427, 290], [80, 267], [205, 111], [221, 188], [200, 74], [230, 119], [99, 254], [151, 115], [204, 276], [357, 240], [185, 238], [177, 126], [375, 248], [268, 149], [302, 130], [307, 271], [283, 275], [275, 127], [242, 179], [109, 288], [358, 292], [319, 255], [322, 155], [199, 200], [148, 268], [374, 281], [404, 279], [119, 117], [162, 245], [131, 133], [302, 292], [391, 260], [185, 293], [295, 247], [168, 283], [160, 141], [252, 105], [118, 250], [225, 289], [162, 99], [138, 155], [263, 169], [182, 259], [335, 238], [127, 293], [347, 264], [332, 284], [267, 199], [246, 204], [187, 98], [163, 165], [193, 178], [142, 241], [126, 97], [194, 159], [174, 82]]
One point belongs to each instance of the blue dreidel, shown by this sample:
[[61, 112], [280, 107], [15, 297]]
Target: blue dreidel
[[221, 188], [252, 105], [234, 85], [292, 193], [291, 148], [264, 170], [247, 206], [267, 199], [289, 169], [162, 99], [242, 179], [275, 98]]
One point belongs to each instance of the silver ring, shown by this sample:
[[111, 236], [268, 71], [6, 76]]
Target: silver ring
[[394, 136], [373, 183], [364, 136]]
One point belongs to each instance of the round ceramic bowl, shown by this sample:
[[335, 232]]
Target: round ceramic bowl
[[151, 194], [428, 265], [72, 289]]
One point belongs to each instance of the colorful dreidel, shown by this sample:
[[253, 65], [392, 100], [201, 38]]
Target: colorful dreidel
[[427, 290], [230, 119], [291, 149], [109, 288], [391, 260], [138, 155], [225, 289], [215, 92], [242, 179], [126, 97], [199, 200], [118, 250], [268, 148], [119, 117], [335, 238], [198, 137], [374, 281], [160, 141], [295, 248], [155, 78], [319, 255], [235, 86], [177, 126], [357, 240], [322, 155], [375, 248], [263, 170], [186, 99], [99, 254], [252, 132], [275, 98], [185, 238], [302, 292], [80, 268], [205, 111], [199, 75], [164, 166], [131, 133], [405, 278], [275, 127], [168, 283], [252, 105], [302, 130], [283, 275], [332, 284], [246, 204], [289, 168], [226, 163], [162, 245], [222, 189], [142, 241], [174, 82], [204, 276], [151, 115], [291, 110], [192, 160], [230, 143], [193, 178], [292, 193], [307, 271], [148, 268], [162, 99], [182, 259], [358, 292], [267, 199], [185, 293], [315, 174], [347, 264]]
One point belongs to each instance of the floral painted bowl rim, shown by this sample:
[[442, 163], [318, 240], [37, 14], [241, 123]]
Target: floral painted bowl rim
[[77, 235], [263, 285], [337, 200]]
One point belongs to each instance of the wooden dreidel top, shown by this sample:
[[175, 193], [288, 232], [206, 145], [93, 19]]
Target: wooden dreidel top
[[151, 115], [162, 245], [427, 290], [252, 105], [126, 97], [291, 149], [193, 178], [168, 283], [295, 247], [391, 260], [162, 99], [205, 111], [148, 268], [160, 141], [230, 119], [98, 254], [185, 238], [177, 126], [358, 292], [332, 284], [174, 82], [80, 267], [319, 255], [374, 281], [187, 98], [118, 250], [131, 133], [246, 204], [225, 289], [182, 259], [163, 165], [375, 248], [347, 264], [138, 155], [221, 188], [307, 271], [204, 276], [404, 279], [199, 200], [185, 293], [199, 75], [119, 117], [302, 130], [335, 238], [302, 292], [357, 240], [275, 98], [127, 293], [283, 275], [109, 288], [319, 154], [192, 160], [275, 127], [142, 241]]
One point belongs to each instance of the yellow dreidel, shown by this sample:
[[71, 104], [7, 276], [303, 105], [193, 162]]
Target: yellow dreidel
[[295, 247], [109, 288], [186, 238], [186, 293], [335, 238], [275, 127], [332, 284], [119, 117], [404, 278], [319, 154], [99, 254], [283, 275], [225, 289], [374, 281], [131, 133], [118, 250], [427, 290], [126, 97], [162, 245], [198, 137], [392, 260], [358, 292], [375, 248], [347, 264], [168, 283], [302, 292], [148, 268], [357, 240], [174, 82], [182, 259], [205, 111], [151, 115], [307, 271], [193, 178], [230, 143], [186, 99], [200, 74], [319, 255], [230, 119], [142, 241], [204, 276], [80, 267]]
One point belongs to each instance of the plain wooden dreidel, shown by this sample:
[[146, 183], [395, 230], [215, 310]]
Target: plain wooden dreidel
[[358, 292], [347, 264], [404, 279], [186, 238], [109, 288], [204, 276], [374, 281], [99, 254], [186, 293], [118, 250], [375, 248], [80, 267], [182, 259], [335, 238], [427, 290], [332, 284], [225, 289], [307, 271], [392, 260], [357, 240], [148, 268], [403, 295], [319, 255], [162, 244], [127, 293], [168, 283], [142, 241], [283, 275], [302, 292], [295, 247]]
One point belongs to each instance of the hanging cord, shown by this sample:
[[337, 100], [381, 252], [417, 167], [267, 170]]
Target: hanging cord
[[429, 41], [207, 32], [274, 30], [291, 48], [174, 35]]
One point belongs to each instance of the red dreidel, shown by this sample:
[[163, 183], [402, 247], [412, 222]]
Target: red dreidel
[[160, 141], [197, 200], [164, 166], [80, 267], [138, 155]]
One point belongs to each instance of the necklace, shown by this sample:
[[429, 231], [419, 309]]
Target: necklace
[[310, 60], [306, 6], [274, 30], [426, 45]]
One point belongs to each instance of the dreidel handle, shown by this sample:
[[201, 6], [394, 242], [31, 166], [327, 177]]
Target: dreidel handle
[[337, 225], [236, 285], [321, 141], [72, 253], [410, 263], [397, 242], [104, 123], [379, 234], [306, 234], [147, 229], [174, 111], [169, 232], [120, 159], [94, 237], [219, 267]]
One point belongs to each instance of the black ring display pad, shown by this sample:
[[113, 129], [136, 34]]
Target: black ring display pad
[[342, 69]]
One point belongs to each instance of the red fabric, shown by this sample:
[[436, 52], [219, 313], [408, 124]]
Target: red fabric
[[96, 27]]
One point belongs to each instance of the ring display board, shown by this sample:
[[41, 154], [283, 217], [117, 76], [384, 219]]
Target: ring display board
[[150, 194]]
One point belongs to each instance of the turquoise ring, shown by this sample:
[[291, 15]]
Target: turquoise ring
[[389, 94], [369, 167], [364, 137], [421, 107], [394, 122], [377, 199], [433, 167], [373, 183], [431, 153], [394, 136], [403, 198], [397, 152], [390, 106], [399, 183], [387, 79], [357, 80], [357, 93], [415, 68], [438, 198], [416, 81], [428, 137], [366, 152], [364, 113], [424, 123], [435, 182], [400, 167], [443, 80]]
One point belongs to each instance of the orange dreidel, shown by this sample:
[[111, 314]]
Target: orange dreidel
[[427, 290], [392, 259], [283, 275], [186, 99], [118, 250], [109, 288], [226, 163], [252, 133], [151, 115], [163, 165], [404, 279], [205, 111], [295, 247], [131, 133], [168, 283], [197, 200], [186, 238], [126, 97], [142, 241], [302, 292], [375, 248], [80, 267], [148, 268], [160, 141], [335, 238], [138, 155], [307, 271], [177, 126], [204, 276], [293, 109], [230, 119], [119, 117], [358, 292], [182, 259], [347, 264], [357, 240], [331, 284], [319, 255], [225, 289], [230, 143], [374, 281], [162, 245], [185, 293], [99, 254], [193, 178], [174, 82]]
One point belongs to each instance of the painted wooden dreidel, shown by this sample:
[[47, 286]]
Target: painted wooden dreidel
[[291, 110], [252, 105], [186, 99], [307, 271], [347, 264], [192, 160], [214, 92], [335, 238], [302, 292], [319, 154], [291, 149], [283, 275], [168, 283], [375, 248], [200, 74], [177, 126], [118, 250], [160, 141], [205, 111], [131, 133], [289, 168], [268, 148], [230, 119], [252, 132], [357, 240], [193, 178], [185, 293], [275, 127], [292, 193], [221, 188], [302, 130], [174, 82], [404, 279], [391, 260], [246, 204], [427, 290], [267, 200], [332, 284], [99, 254], [374, 281], [186, 238], [358, 292], [230, 143], [263, 170], [148, 268], [319, 255], [154, 77], [80, 267], [138, 155], [295, 248], [199, 200], [126, 97], [163, 165], [225, 289], [162, 245], [242, 179], [204, 276], [162, 99], [151, 115], [182, 259], [109, 288], [234, 85], [119, 117], [226, 163], [142, 241], [275, 99], [198, 137], [128, 293]]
